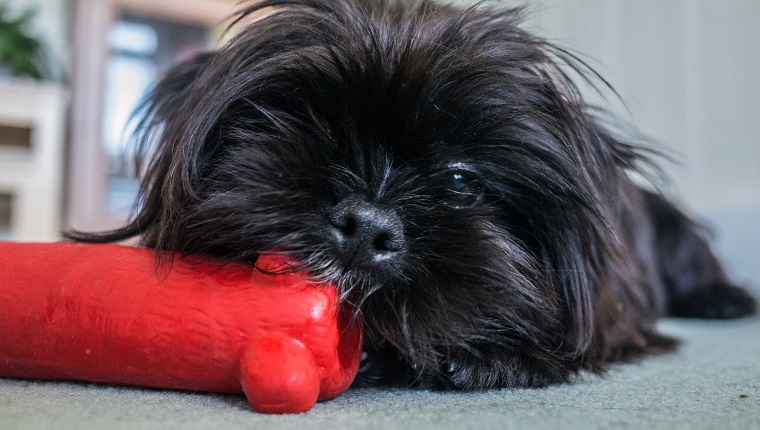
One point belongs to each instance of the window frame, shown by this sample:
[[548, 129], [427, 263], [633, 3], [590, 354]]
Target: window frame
[[87, 173]]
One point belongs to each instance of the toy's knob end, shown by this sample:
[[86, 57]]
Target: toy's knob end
[[279, 376]]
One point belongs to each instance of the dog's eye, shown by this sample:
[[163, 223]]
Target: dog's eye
[[463, 189]]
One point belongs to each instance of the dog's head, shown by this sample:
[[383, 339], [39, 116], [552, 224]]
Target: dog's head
[[434, 162]]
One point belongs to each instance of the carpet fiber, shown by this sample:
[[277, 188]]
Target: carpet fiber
[[713, 381]]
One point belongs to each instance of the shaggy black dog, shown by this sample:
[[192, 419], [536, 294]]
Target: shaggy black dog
[[440, 167]]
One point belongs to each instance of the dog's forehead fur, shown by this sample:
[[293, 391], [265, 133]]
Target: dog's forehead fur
[[404, 78], [383, 83]]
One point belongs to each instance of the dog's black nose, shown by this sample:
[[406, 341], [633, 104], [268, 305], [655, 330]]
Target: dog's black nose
[[366, 235]]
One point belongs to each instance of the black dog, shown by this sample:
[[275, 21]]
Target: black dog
[[439, 166]]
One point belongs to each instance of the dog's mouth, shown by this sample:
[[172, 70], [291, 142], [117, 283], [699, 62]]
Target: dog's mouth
[[356, 279]]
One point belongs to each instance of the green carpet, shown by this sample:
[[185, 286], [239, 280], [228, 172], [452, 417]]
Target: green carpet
[[712, 382]]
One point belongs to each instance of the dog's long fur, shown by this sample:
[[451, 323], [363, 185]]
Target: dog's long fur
[[523, 253]]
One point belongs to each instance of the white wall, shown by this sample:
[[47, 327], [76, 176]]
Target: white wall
[[688, 72]]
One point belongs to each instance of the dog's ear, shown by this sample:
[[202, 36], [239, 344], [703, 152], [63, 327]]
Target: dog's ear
[[168, 136], [155, 117], [161, 103]]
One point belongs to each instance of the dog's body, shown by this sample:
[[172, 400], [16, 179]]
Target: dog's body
[[438, 165]]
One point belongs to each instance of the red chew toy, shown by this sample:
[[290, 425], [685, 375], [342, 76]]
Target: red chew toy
[[104, 313]]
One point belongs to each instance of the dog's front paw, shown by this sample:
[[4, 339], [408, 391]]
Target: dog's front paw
[[716, 300]]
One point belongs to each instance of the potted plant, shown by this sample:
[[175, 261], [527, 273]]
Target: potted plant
[[21, 54]]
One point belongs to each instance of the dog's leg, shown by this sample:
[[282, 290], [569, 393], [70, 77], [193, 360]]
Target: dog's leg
[[695, 282]]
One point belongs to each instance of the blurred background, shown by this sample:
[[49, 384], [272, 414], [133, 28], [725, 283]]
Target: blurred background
[[71, 71]]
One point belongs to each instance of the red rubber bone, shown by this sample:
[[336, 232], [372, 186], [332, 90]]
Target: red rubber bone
[[106, 313]]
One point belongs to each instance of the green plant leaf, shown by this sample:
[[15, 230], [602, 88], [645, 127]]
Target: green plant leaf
[[20, 51]]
